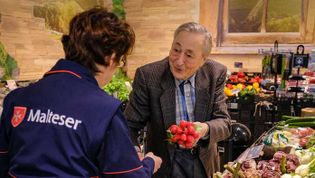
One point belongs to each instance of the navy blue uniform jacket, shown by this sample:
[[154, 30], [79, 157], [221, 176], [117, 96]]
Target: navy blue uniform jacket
[[66, 126]]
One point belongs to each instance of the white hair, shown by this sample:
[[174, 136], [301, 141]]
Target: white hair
[[196, 28]]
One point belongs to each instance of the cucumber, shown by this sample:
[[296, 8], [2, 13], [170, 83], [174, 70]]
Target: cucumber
[[285, 117], [279, 127], [300, 119], [303, 124]]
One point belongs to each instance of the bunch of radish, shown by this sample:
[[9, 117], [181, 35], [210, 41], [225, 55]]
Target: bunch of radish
[[184, 134]]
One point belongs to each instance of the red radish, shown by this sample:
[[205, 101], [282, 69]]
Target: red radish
[[174, 139], [190, 139], [173, 129], [196, 135], [188, 145], [183, 137], [185, 134], [189, 124], [182, 124], [180, 142], [179, 130], [185, 131], [191, 130]]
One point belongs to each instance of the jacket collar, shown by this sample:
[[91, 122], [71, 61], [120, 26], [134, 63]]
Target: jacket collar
[[167, 99], [72, 68], [203, 98]]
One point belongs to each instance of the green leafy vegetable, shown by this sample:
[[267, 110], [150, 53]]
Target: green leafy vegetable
[[119, 86]]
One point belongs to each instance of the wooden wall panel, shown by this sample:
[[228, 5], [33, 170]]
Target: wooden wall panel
[[26, 39], [154, 22]]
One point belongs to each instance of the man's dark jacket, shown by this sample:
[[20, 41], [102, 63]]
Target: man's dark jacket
[[152, 104]]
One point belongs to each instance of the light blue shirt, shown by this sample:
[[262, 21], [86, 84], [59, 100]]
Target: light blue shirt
[[187, 101]]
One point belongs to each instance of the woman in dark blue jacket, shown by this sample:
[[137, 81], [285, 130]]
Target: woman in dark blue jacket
[[65, 125]]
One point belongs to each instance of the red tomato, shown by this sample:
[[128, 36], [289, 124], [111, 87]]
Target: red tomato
[[240, 75], [229, 86], [252, 80], [233, 78], [241, 80]]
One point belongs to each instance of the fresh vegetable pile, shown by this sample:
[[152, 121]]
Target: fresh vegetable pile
[[184, 134], [281, 163], [241, 77], [119, 86], [288, 152], [241, 89], [295, 121]]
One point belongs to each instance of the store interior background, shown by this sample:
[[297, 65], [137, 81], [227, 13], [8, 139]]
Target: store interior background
[[36, 48], [35, 44]]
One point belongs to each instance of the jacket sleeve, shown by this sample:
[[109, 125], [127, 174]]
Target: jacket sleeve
[[220, 124], [138, 111], [118, 157], [4, 139]]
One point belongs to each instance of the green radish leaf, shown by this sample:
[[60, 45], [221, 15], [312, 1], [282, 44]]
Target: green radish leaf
[[169, 134]]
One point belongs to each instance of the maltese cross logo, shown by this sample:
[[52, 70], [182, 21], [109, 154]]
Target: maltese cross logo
[[18, 115]]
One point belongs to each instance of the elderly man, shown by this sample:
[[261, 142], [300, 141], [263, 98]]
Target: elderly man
[[183, 86]]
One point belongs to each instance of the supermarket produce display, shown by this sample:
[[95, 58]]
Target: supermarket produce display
[[285, 151]]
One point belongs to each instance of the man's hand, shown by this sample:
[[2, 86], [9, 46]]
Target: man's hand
[[157, 161], [203, 129]]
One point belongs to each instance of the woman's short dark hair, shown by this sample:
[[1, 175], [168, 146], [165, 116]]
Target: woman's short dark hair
[[94, 34]]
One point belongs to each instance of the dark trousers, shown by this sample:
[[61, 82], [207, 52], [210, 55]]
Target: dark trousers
[[186, 164]]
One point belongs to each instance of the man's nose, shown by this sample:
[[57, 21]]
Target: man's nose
[[180, 59]]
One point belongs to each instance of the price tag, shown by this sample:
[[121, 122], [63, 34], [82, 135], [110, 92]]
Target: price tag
[[251, 153], [255, 152], [233, 106]]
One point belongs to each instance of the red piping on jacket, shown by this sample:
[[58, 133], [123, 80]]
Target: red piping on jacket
[[63, 71], [121, 172], [11, 175]]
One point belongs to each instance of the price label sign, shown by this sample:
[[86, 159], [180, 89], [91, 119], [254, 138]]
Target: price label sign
[[251, 153]]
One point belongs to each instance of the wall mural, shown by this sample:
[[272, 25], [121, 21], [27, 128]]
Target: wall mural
[[57, 14]]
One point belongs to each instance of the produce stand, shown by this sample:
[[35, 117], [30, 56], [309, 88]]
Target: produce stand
[[287, 150]]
